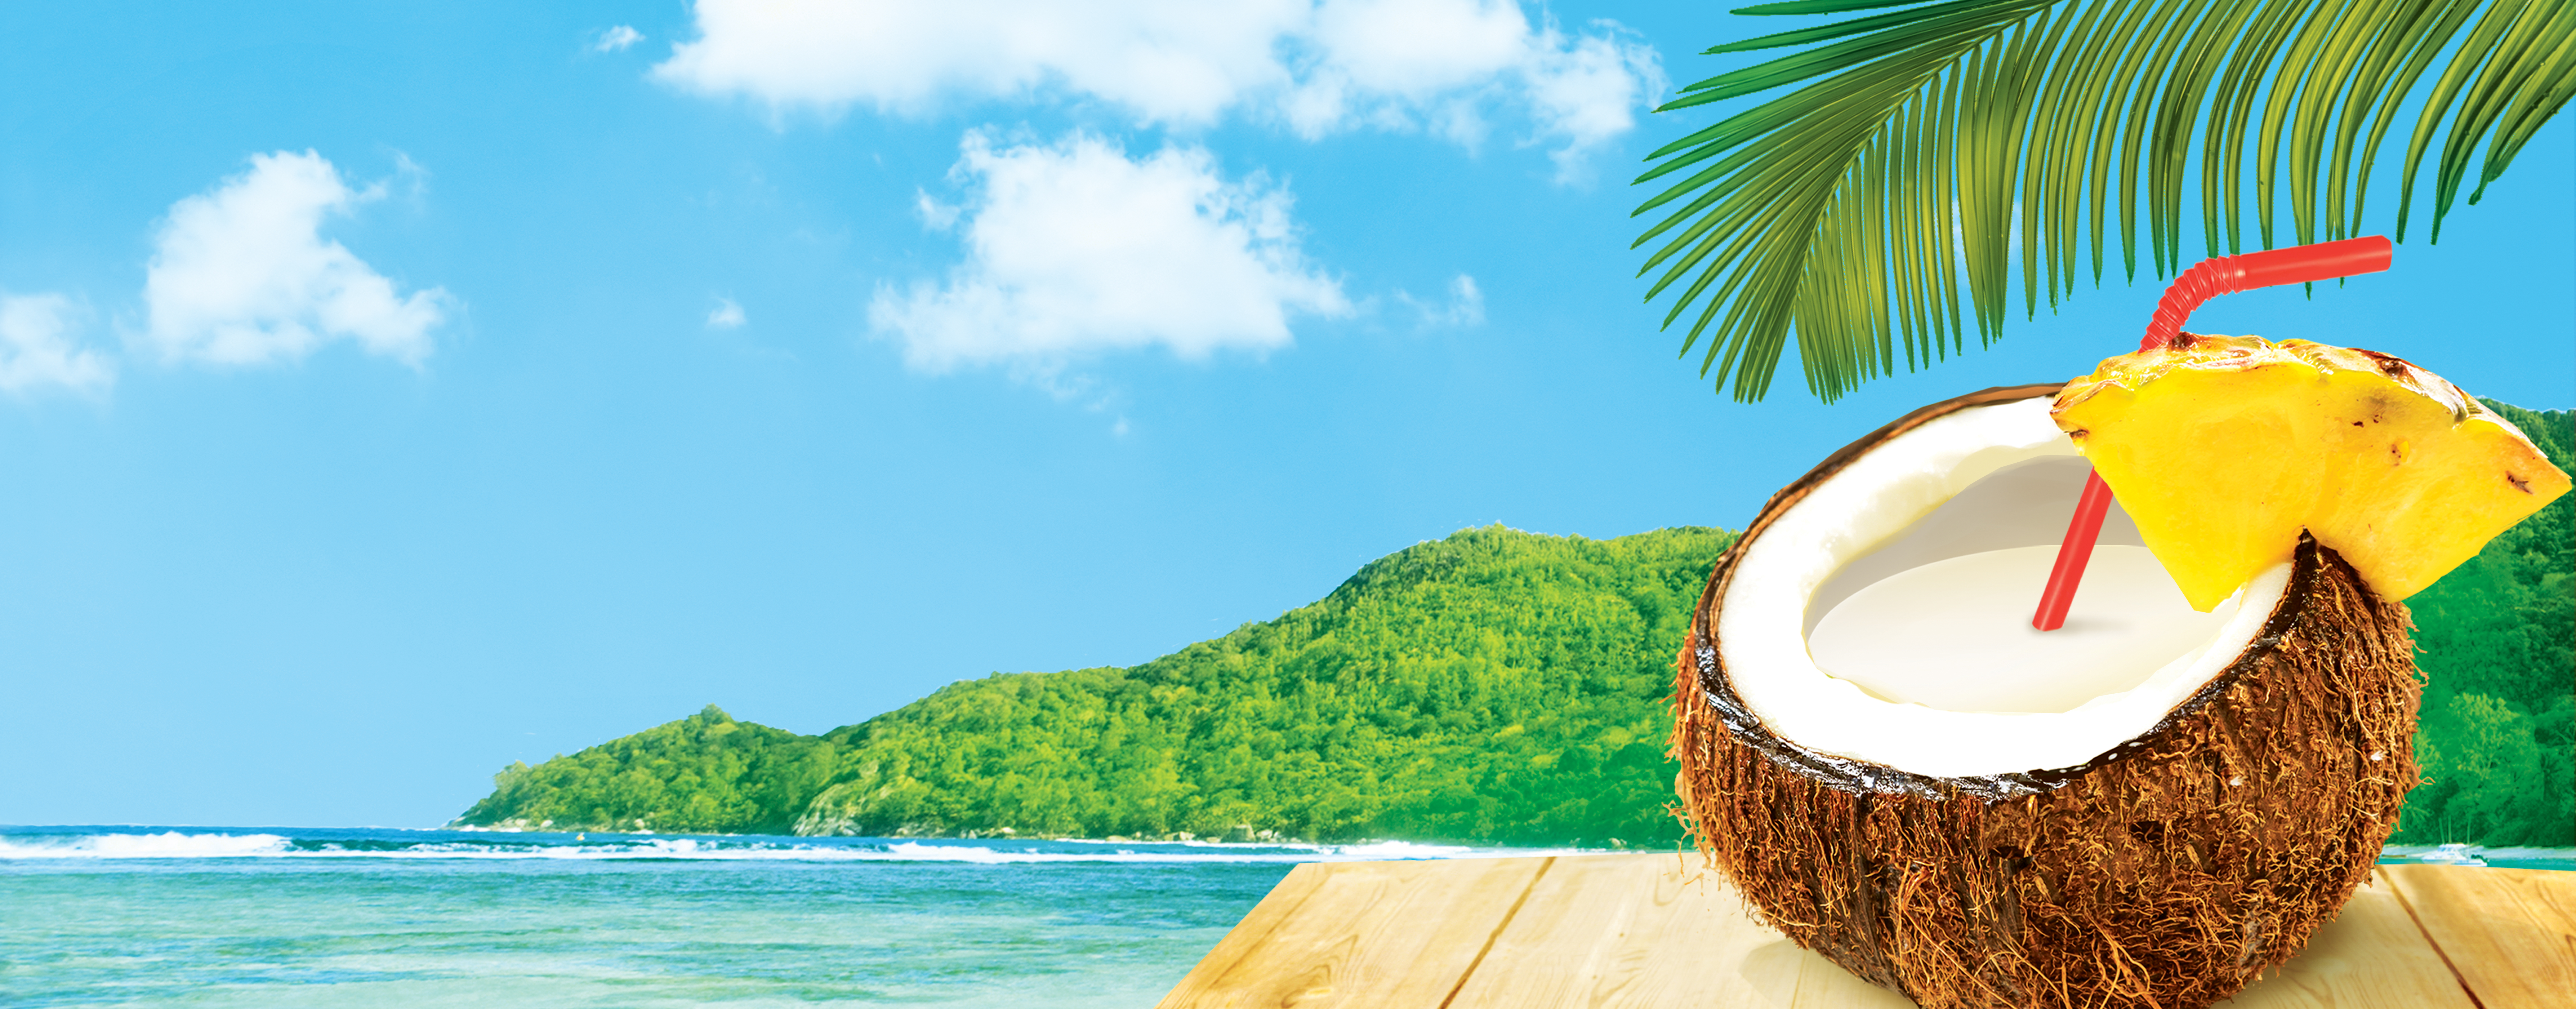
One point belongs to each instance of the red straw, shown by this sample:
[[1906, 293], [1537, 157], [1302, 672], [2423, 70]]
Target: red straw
[[2297, 264]]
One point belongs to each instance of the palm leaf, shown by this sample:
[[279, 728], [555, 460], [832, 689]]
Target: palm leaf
[[1917, 147]]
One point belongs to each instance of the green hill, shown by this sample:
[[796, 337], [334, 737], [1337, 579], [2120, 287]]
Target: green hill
[[702, 774], [1493, 686], [1496, 685]]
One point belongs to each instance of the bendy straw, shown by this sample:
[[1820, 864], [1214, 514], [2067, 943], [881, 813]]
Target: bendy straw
[[2225, 275]]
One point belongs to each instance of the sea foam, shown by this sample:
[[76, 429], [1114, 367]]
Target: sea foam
[[90, 843], [171, 844]]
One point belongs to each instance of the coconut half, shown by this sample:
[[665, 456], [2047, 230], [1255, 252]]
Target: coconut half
[[2146, 813]]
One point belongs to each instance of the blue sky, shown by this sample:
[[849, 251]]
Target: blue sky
[[387, 395]]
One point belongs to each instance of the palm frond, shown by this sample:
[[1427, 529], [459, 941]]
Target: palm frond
[[1919, 146]]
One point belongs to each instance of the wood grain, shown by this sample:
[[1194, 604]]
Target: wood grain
[[2510, 933], [2370, 957], [1651, 930], [1361, 934], [1638, 931], [1277, 909]]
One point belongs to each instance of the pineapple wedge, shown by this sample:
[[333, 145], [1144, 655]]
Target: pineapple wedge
[[2224, 447]]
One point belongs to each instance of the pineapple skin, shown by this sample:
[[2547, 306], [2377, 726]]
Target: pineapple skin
[[2224, 447]]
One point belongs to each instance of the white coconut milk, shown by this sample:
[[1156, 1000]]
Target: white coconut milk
[[1955, 634]]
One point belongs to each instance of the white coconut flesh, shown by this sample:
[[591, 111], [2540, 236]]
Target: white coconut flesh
[[1885, 616]]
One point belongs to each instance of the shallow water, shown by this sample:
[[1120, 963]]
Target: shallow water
[[271, 917], [364, 917], [2557, 859]]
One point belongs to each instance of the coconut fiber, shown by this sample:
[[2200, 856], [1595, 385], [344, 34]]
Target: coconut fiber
[[2170, 872]]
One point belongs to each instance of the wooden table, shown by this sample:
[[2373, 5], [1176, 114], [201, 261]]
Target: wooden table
[[1586, 930]]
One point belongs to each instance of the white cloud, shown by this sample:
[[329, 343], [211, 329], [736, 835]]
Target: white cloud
[[617, 39], [1074, 248], [1321, 66], [1465, 306], [726, 316], [1180, 60], [36, 348], [241, 274], [1588, 94]]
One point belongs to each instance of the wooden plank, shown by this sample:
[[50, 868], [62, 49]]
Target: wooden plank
[[2510, 933], [1593, 928], [2370, 957], [1360, 934], [1652, 930], [1639, 931], [1275, 910]]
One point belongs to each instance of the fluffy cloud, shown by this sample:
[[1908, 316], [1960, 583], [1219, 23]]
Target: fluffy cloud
[[36, 348], [1168, 59], [1074, 248], [241, 274], [1318, 65]]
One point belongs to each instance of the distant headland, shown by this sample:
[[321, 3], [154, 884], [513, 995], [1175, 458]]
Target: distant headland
[[1496, 686]]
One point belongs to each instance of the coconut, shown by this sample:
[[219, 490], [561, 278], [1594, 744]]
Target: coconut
[[2152, 822]]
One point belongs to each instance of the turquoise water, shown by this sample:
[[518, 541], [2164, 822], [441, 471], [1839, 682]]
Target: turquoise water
[[2556, 859], [363, 917], [276, 917]]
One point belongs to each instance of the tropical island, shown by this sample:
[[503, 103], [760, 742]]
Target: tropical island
[[1495, 686]]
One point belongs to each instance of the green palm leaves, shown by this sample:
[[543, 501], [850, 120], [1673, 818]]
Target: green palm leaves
[[1922, 146]]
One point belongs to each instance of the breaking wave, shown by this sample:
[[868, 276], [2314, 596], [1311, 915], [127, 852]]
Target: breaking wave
[[33, 844], [151, 843], [172, 844]]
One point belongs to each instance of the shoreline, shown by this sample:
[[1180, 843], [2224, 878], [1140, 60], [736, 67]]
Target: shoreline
[[21, 843]]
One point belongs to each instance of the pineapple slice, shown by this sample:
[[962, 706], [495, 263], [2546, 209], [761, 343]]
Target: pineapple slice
[[2224, 447]]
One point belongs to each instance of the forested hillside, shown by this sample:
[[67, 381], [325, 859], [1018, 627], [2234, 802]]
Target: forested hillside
[[1497, 686], [2498, 637], [702, 774]]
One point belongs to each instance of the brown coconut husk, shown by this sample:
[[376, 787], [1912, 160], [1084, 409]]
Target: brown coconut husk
[[2169, 872]]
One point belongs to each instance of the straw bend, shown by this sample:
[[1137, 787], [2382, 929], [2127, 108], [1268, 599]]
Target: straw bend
[[2297, 264]]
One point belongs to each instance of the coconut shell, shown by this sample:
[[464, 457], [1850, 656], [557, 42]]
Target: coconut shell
[[2168, 872]]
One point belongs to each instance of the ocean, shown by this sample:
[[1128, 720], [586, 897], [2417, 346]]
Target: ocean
[[277, 917]]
